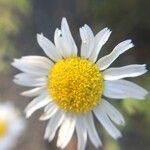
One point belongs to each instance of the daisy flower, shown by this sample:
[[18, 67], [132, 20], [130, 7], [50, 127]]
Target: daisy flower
[[72, 87], [11, 125]]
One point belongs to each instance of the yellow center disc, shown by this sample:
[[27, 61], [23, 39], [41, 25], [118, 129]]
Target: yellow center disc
[[3, 128], [75, 84]]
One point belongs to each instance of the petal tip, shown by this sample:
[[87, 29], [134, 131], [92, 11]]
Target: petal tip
[[13, 64], [39, 36], [23, 94], [27, 115], [132, 45], [42, 118], [147, 94], [64, 19], [15, 81]]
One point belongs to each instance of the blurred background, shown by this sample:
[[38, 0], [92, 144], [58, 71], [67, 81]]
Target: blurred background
[[21, 20]]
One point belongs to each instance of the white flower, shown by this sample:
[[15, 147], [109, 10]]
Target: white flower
[[11, 125], [72, 87]]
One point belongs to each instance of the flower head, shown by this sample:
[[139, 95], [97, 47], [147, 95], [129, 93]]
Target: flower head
[[72, 87], [11, 125]]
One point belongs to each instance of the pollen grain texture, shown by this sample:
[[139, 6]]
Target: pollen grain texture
[[75, 84], [3, 128]]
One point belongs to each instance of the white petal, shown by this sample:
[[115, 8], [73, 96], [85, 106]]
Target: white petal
[[48, 47], [17, 126], [51, 110], [107, 60], [59, 42], [106, 122], [93, 135], [34, 92], [36, 104], [67, 37], [49, 105], [30, 84], [66, 131], [40, 60], [87, 37], [30, 77], [81, 133], [30, 80], [113, 113], [22, 76], [53, 125], [62, 46], [120, 89], [123, 72], [100, 39], [32, 67], [7, 143]]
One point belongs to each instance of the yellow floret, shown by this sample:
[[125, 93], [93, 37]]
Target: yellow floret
[[75, 84], [3, 128]]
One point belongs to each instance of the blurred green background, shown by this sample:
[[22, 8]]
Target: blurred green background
[[21, 20]]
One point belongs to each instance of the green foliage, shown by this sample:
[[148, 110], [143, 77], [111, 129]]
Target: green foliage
[[133, 106], [119, 14], [10, 25], [111, 144]]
